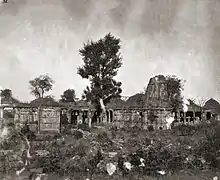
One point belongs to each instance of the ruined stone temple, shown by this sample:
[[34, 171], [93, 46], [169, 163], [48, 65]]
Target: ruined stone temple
[[144, 110]]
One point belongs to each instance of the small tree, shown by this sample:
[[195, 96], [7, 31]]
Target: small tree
[[68, 95], [101, 63], [174, 89], [6, 93], [40, 85]]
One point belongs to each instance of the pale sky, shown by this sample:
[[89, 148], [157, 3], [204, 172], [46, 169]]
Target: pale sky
[[179, 37]]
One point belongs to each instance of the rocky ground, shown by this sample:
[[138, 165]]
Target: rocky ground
[[109, 153]]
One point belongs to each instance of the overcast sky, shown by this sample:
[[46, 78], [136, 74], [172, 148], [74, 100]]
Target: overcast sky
[[180, 37]]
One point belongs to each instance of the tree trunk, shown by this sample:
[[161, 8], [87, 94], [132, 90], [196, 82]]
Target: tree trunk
[[42, 93], [103, 114]]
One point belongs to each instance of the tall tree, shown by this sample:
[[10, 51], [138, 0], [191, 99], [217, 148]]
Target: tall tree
[[102, 60], [174, 89], [40, 85], [68, 95]]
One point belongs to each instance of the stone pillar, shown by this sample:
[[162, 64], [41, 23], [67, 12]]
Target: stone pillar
[[80, 118], [177, 117], [38, 119], [108, 116], [194, 117], [104, 117], [90, 118], [68, 114], [145, 119], [1, 116], [184, 117], [1, 112]]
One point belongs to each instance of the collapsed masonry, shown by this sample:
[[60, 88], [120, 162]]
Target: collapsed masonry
[[149, 110]]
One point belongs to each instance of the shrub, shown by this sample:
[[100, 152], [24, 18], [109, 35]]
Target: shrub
[[94, 162], [135, 158], [104, 139], [184, 130], [114, 131], [150, 128], [28, 133], [135, 129], [84, 127], [81, 147], [77, 134], [209, 145], [57, 136]]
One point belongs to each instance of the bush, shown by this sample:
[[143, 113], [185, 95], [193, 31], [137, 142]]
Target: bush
[[150, 128], [114, 131], [84, 127], [77, 134], [184, 130], [81, 147], [104, 139], [209, 145], [135, 129], [28, 133]]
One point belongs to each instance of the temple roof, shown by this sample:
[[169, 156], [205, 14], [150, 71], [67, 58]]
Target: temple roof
[[193, 106], [136, 100], [47, 101], [9, 101], [212, 105]]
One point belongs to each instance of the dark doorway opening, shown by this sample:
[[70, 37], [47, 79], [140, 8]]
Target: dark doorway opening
[[199, 115], [175, 116], [111, 116], [208, 115], [189, 115], [95, 117], [107, 114], [181, 116], [85, 116], [74, 115], [63, 118]]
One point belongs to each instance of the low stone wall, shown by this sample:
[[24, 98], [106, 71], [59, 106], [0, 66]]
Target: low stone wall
[[49, 118], [140, 117]]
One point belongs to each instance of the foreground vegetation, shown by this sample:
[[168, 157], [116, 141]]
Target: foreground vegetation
[[184, 152]]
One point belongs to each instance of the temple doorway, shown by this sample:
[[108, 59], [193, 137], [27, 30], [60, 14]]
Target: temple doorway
[[84, 116], [74, 117], [95, 117], [111, 115], [208, 115]]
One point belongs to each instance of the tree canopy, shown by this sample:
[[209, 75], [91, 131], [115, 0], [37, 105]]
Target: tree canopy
[[68, 95], [40, 85], [174, 89], [6, 93], [102, 60]]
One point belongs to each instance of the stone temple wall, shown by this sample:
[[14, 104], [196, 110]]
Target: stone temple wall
[[154, 111], [156, 93], [133, 117], [49, 118]]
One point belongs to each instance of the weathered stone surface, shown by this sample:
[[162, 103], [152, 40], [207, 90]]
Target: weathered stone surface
[[156, 94]]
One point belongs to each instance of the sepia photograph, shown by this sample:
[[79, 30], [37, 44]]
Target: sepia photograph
[[109, 89]]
